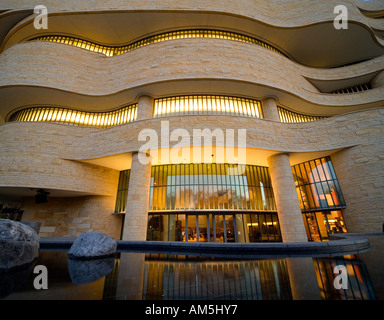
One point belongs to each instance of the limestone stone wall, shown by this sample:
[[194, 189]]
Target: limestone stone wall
[[66, 68], [378, 81], [286, 13], [36, 157], [360, 172], [70, 217], [51, 150]]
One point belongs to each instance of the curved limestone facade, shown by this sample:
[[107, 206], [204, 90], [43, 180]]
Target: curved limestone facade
[[224, 121]]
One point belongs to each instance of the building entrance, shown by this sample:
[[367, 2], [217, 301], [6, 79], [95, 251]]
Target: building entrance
[[210, 228], [219, 227]]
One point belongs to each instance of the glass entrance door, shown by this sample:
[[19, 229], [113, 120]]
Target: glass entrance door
[[224, 228], [198, 228], [230, 228], [193, 228]]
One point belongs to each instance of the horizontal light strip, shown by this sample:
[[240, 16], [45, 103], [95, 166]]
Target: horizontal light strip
[[193, 105], [183, 34], [292, 117], [77, 118]]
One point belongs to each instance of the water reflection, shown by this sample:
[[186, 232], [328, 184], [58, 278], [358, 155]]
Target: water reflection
[[359, 286], [87, 271], [141, 276], [174, 277], [219, 280]]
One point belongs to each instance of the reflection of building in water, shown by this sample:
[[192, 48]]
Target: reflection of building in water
[[196, 279], [359, 283], [139, 276]]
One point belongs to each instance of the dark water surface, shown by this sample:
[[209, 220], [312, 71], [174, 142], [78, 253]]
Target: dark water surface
[[150, 276]]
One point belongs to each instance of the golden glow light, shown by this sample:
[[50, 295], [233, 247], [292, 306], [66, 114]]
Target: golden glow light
[[77, 118], [224, 105], [183, 34], [293, 117]]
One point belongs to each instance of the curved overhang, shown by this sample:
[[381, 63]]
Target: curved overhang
[[20, 97], [31, 77], [315, 44], [329, 85], [9, 19]]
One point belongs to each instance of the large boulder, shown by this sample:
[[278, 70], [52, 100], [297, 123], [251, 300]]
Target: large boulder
[[92, 245], [19, 244]]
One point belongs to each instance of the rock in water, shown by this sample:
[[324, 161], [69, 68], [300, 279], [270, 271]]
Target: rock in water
[[92, 245], [19, 244], [87, 271]]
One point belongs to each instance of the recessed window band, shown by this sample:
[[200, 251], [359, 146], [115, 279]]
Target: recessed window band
[[77, 118], [182, 34]]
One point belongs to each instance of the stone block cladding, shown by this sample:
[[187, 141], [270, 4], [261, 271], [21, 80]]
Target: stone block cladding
[[57, 157]]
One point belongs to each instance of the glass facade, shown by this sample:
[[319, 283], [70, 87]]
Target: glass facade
[[230, 203], [293, 117], [210, 187], [223, 105], [206, 203], [320, 224], [220, 227], [320, 198], [317, 185], [122, 191], [77, 118], [181, 34], [203, 202]]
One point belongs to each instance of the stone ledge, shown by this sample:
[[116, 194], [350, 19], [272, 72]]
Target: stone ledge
[[345, 244]]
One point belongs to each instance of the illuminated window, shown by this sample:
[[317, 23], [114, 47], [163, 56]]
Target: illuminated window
[[219, 227], [210, 187], [77, 118], [183, 34], [204, 203], [316, 185], [292, 117], [185, 105], [122, 191], [320, 198]]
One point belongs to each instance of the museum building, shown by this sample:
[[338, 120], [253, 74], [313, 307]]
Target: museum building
[[231, 121]]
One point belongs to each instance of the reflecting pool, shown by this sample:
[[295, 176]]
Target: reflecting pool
[[153, 276]]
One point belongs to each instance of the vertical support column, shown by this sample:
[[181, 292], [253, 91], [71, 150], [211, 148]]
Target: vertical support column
[[145, 107], [288, 207], [136, 216], [270, 111], [131, 276], [302, 277]]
